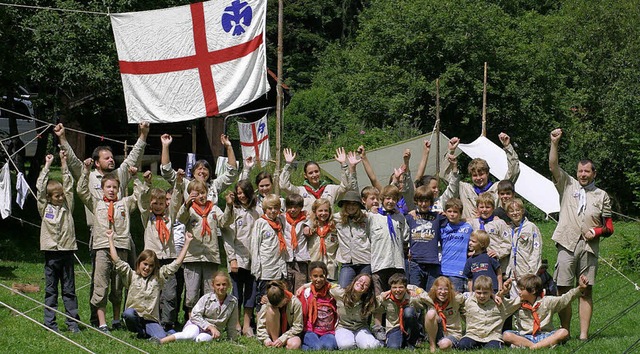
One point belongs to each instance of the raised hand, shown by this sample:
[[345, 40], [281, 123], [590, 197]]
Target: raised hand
[[166, 139], [362, 152], [353, 158], [87, 163], [148, 177], [180, 175], [453, 143], [144, 130], [406, 156], [556, 134], [224, 140], [48, 160], [341, 156], [230, 198], [249, 162], [289, 156], [133, 170], [504, 139]]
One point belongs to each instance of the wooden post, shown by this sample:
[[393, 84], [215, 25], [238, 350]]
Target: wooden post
[[484, 102], [437, 130], [193, 136], [279, 100]]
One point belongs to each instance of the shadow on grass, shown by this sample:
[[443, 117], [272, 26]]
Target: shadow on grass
[[6, 272]]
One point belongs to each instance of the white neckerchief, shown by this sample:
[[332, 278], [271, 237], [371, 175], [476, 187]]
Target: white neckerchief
[[582, 197]]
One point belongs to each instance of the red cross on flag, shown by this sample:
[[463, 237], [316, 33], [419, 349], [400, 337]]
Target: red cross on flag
[[254, 139], [191, 61]]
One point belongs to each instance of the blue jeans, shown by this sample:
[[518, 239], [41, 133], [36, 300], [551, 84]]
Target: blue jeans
[[422, 274], [467, 343], [348, 272], [396, 339], [312, 341], [144, 328], [459, 284]]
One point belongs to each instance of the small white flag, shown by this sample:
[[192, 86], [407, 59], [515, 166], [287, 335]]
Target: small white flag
[[254, 139]]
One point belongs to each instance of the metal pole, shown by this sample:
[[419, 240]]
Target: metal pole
[[437, 130]]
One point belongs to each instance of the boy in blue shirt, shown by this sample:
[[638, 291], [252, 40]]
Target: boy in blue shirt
[[479, 263], [454, 236], [423, 263]]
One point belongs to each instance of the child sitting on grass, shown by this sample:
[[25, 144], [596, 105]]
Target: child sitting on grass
[[443, 322], [280, 320], [485, 316], [142, 313], [534, 319]]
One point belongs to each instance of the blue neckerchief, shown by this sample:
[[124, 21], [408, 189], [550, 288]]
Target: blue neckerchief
[[402, 206], [482, 190], [514, 242], [484, 221], [392, 231]]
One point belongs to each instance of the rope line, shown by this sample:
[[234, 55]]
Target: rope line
[[611, 321], [37, 307], [23, 133], [626, 216], [73, 319], [45, 327], [17, 169], [619, 272], [632, 347], [69, 129], [22, 221], [29, 142], [54, 9]]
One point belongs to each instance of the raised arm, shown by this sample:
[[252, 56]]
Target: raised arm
[[247, 165], [423, 159], [368, 169], [230, 154], [554, 167], [73, 162], [345, 181], [188, 237], [166, 171], [83, 185], [67, 181], [138, 149], [41, 184], [112, 248], [513, 163], [353, 160], [227, 218], [142, 190]]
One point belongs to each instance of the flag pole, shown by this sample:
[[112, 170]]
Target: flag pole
[[437, 130], [279, 98], [484, 102]]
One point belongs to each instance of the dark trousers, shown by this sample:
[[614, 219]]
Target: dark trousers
[[58, 268], [396, 339], [467, 343], [169, 299], [348, 272]]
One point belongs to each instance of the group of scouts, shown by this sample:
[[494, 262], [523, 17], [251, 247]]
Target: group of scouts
[[396, 265]]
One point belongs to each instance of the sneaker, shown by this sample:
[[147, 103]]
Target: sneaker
[[116, 326], [104, 329], [379, 332], [74, 329], [155, 340]]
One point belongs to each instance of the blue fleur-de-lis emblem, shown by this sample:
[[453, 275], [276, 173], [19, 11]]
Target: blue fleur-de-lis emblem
[[237, 16], [261, 128]]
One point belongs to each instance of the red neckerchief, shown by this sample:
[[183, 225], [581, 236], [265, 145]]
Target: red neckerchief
[[322, 232], [206, 229], [536, 318], [293, 222], [313, 301], [111, 208], [440, 310], [316, 193], [163, 230], [283, 313], [277, 227], [401, 305]]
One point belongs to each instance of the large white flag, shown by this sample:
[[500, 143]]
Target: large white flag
[[191, 61], [254, 139]]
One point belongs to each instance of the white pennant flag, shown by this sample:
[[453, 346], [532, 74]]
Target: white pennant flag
[[191, 61], [254, 139]]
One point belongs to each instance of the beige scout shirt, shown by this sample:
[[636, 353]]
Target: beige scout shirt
[[452, 191], [294, 319], [144, 293], [223, 316], [387, 252], [95, 178], [151, 239], [549, 305], [572, 226], [215, 186], [500, 235], [354, 245], [301, 253], [237, 236], [99, 208], [204, 248], [57, 231], [485, 321], [348, 317], [454, 313], [332, 192], [267, 262], [526, 249], [468, 194], [331, 243], [386, 305]]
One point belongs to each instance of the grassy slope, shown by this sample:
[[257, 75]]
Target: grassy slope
[[612, 294]]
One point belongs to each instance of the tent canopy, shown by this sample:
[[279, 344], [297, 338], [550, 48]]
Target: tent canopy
[[530, 185]]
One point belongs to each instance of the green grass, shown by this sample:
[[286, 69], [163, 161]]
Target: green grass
[[612, 295]]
